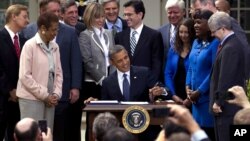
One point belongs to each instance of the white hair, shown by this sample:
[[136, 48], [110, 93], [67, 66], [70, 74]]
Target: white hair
[[171, 3]]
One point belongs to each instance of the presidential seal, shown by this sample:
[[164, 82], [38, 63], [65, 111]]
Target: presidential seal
[[135, 119]]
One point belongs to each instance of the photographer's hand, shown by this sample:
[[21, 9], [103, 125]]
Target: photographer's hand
[[48, 136], [183, 117], [240, 97]]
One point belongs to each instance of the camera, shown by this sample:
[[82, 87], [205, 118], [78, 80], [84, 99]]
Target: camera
[[225, 95], [43, 126], [161, 112]]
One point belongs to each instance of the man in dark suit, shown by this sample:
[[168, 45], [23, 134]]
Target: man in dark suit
[[113, 21], [175, 11], [144, 45], [72, 71], [69, 13], [10, 49], [142, 85], [228, 70]]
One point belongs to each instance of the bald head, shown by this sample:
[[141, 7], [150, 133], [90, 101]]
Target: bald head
[[242, 117], [24, 124], [27, 129], [222, 5]]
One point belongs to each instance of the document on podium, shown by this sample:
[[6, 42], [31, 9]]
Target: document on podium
[[134, 102], [104, 102]]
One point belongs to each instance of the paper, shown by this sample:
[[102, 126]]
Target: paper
[[104, 102], [134, 102]]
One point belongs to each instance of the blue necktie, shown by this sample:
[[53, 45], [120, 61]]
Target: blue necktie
[[126, 87], [133, 42]]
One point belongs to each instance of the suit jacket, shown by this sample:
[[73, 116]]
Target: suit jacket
[[93, 54], [79, 27], [141, 81], [228, 71], [148, 51], [165, 33], [124, 24], [9, 63], [240, 33], [69, 54]]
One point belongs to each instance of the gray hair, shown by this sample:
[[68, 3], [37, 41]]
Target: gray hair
[[219, 20], [67, 4], [102, 123], [114, 50], [171, 3], [203, 2], [103, 2]]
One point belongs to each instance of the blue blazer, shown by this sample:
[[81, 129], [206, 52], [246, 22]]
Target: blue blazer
[[70, 56], [201, 61], [171, 68]]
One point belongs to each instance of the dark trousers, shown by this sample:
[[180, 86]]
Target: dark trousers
[[75, 120], [60, 132], [9, 116], [210, 132], [222, 125]]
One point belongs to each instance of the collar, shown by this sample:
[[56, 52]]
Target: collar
[[228, 35], [98, 31], [120, 74], [138, 30], [118, 24], [40, 42], [12, 34]]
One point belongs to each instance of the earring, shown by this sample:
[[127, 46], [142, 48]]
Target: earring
[[43, 32]]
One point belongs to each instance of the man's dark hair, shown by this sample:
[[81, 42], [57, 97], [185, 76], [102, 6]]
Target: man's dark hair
[[171, 128], [29, 135], [67, 4], [114, 50], [118, 134], [137, 5]]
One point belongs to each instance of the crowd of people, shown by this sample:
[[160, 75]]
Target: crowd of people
[[51, 68]]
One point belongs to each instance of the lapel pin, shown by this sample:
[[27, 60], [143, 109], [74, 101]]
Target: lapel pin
[[135, 77]]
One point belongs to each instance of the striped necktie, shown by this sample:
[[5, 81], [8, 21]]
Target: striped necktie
[[172, 38], [133, 42]]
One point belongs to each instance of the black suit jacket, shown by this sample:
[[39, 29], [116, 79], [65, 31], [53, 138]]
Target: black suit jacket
[[141, 81], [228, 71], [148, 51], [124, 24], [9, 63]]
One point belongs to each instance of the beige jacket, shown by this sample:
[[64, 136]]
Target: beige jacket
[[34, 71]]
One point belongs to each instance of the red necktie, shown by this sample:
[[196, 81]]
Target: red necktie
[[16, 45], [218, 49]]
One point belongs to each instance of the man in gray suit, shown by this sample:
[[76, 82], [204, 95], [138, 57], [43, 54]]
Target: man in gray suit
[[72, 70], [175, 10]]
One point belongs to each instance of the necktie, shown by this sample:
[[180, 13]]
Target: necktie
[[16, 45], [218, 49], [172, 38], [133, 42], [126, 87], [114, 29]]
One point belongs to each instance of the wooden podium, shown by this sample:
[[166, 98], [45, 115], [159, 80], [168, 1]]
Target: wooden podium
[[117, 109]]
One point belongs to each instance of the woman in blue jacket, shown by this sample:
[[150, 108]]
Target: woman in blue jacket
[[177, 61], [201, 60]]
